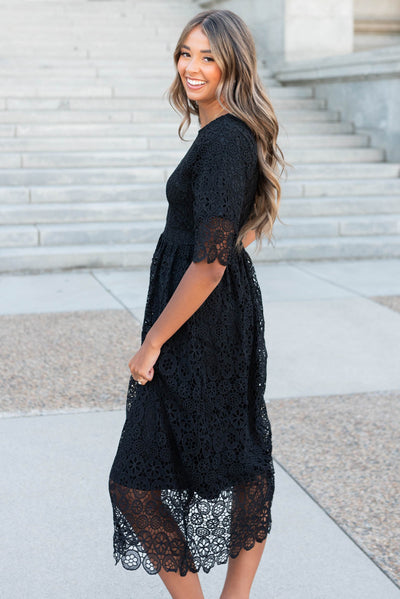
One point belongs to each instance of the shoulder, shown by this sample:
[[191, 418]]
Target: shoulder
[[226, 129], [230, 137]]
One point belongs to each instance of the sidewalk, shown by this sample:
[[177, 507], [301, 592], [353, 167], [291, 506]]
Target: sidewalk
[[333, 396]]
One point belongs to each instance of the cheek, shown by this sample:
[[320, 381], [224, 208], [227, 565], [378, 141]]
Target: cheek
[[180, 67], [215, 75]]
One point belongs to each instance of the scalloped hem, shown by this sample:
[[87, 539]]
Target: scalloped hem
[[181, 531], [202, 567]]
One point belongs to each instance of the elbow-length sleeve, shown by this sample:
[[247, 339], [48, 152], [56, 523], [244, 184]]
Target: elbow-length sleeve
[[219, 191]]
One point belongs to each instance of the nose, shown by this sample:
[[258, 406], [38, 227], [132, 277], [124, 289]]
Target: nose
[[192, 66]]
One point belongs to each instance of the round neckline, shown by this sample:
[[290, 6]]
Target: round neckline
[[215, 120]]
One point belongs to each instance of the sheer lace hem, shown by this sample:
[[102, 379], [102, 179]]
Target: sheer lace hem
[[181, 531], [215, 237]]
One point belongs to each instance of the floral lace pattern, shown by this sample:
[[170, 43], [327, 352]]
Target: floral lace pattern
[[181, 531], [192, 481], [215, 238], [224, 174]]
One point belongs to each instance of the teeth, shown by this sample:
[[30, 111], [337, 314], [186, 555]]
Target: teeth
[[195, 82]]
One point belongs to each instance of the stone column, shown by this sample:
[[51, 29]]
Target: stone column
[[376, 24], [290, 30], [314, 29]]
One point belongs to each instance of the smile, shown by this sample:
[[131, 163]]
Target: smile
[[194, 83]]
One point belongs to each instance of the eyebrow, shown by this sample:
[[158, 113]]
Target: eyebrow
[[188, 48]]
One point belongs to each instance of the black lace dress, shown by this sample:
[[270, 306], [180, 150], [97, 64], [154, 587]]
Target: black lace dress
[[193, 478]]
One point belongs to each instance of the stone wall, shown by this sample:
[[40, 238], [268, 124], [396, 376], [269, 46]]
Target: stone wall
[[289, 30], [364, 86], [311, 43], [376, 24]]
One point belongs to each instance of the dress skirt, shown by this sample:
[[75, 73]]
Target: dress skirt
[[193, 478]]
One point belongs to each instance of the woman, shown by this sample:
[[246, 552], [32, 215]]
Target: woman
[[192, 482]]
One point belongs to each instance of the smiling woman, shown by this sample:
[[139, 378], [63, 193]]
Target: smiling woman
[[193, 479], [199, 72]]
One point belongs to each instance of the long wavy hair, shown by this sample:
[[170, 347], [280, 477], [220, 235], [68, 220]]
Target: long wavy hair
[[244, 95]]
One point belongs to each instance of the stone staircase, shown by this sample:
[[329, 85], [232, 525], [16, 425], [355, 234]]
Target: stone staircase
[[87, 142]]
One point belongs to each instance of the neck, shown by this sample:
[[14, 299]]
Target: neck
[[210, 113]]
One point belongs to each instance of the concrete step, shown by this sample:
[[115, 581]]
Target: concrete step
[[139, 231], [134, 103], [345, 171], [37, 259], [322, 248], [151, 130], [87, 117], [90, 48], [141, 116], [338, 226], [323, 141], [79, 7], [341, 187], [84, 69], [96, 68], [122, 207], [138, 115], [48, 64], [158, 174], [81, 233], [333, 156], [86, 176], [340, 205], [82, 194], [69, 86], [96, 89], [150, 158], [322, 196], [56, 74], [123, 85], [76, 43], [101, 17], [154, 158], [165, 142], [13, 214], [310, 128]]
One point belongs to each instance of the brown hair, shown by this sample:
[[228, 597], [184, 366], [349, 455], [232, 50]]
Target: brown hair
[[244, 95]]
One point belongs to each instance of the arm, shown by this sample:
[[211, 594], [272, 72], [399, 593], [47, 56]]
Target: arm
[[199, 280], [249, 238]]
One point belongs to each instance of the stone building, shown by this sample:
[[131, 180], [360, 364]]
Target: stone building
[[348, 50], [88, 139]]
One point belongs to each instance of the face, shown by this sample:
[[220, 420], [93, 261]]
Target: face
[[197, 68]]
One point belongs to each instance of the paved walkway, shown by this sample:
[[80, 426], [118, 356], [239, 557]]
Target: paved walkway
[[325, 335]]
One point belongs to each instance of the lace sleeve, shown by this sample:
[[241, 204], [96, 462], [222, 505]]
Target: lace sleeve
[[219, 183]]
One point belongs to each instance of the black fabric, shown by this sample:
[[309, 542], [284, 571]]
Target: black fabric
[[193, 479]]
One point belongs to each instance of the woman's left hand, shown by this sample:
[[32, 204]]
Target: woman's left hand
[[142, 363]]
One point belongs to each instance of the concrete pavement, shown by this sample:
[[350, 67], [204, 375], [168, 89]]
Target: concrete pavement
[[325, 335]]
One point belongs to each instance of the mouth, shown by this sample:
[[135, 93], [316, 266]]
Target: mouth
[[195, 83]]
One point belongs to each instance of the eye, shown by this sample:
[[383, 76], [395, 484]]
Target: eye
[[183, 53], [208, 58]]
